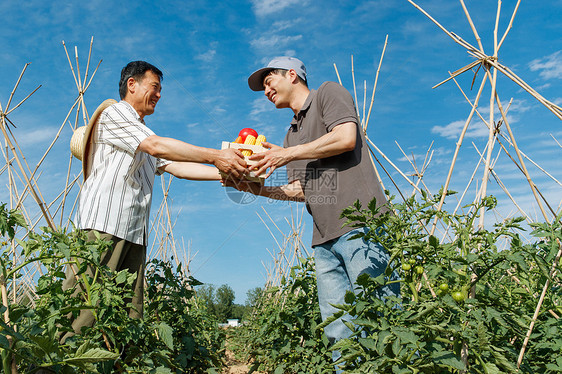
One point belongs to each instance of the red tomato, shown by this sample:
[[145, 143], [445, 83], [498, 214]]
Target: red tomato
[[247, 131]]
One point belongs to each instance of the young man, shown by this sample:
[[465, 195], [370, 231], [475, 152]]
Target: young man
[[328, 168], [124, 158]]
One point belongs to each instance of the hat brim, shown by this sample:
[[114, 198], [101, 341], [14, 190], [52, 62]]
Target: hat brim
[[255, 81], [87, 148]]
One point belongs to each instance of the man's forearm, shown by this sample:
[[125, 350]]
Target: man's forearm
[[176, 150], [192, 171], [340, 139], [278, 193], [229, 161], [288, 192]]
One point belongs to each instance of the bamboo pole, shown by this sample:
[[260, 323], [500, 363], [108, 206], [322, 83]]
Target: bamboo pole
[[510, 25], [337, 74], [15, 88], [491, 131], [375, 84], [393, 165], [354, 87], [40, 162], [472, 26], [71, 67], [457, 149], [23, 100], [41, 204], [364, 100], [520, 158]]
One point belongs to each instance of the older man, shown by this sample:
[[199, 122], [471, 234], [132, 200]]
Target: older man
[[124, 158]]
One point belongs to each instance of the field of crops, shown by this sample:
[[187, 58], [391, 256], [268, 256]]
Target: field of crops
[[467, 306]]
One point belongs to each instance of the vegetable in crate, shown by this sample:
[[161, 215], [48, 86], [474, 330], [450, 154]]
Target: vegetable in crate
[[244, 133]]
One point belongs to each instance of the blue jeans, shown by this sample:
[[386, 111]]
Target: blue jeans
[[338, 264]]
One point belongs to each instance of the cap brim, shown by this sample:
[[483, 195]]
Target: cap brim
[[255, 81]]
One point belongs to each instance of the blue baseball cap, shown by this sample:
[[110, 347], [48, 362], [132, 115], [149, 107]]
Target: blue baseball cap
[[255, 81]]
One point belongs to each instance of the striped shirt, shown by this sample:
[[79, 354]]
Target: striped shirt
[[116, 197]]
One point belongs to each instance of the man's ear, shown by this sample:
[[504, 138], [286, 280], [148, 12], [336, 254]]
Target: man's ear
[[131, 84], [293, 76]]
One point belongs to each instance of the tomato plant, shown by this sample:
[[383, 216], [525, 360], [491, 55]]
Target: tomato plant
[[283, 336], [421, 333], [173, 335]]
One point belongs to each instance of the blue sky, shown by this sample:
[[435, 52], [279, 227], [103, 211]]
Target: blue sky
[[207, 49]]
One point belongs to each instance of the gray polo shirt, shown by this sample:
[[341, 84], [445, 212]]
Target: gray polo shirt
[[331, 184]]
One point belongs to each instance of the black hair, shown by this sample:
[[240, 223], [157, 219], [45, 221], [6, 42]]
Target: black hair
[[135, 70], [282, 72]]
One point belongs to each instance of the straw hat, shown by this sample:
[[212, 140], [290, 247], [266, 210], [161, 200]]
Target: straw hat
[[80, 144]]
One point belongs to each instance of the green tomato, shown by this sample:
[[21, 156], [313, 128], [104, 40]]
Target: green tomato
[[412, 261], [444, 287], [406, 266], [458, 296], [419, 270]]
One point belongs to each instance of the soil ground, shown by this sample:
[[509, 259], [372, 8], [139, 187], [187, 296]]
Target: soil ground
[[233, 366]]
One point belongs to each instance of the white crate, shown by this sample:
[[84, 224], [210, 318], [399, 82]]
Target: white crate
[[255, 149]]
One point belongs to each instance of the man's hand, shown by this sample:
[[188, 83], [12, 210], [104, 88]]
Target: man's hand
[[244, 185], [275, 157], [231, 162], [288, 192]]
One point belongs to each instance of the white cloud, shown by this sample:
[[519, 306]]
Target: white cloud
[[208, 56], [285, 24], [516, 107], [435, 156], [274, 41], [265, 7], [478, 129], [260, 106], [549, 67], [453, 130], [38, 136]]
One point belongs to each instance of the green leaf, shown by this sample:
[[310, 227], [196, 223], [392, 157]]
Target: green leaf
[[396, 346], [368, 343], [382, 339], [92, 356], [449, 359], [490, 368], [45, 343], [161, 370], [165, 332], [4, 343], [349, 297], [405, 335], [433, 241], [502, 359], [121, 277]]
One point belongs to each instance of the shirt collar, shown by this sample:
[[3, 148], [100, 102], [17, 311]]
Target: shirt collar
[[304, 108], [132, 110]]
